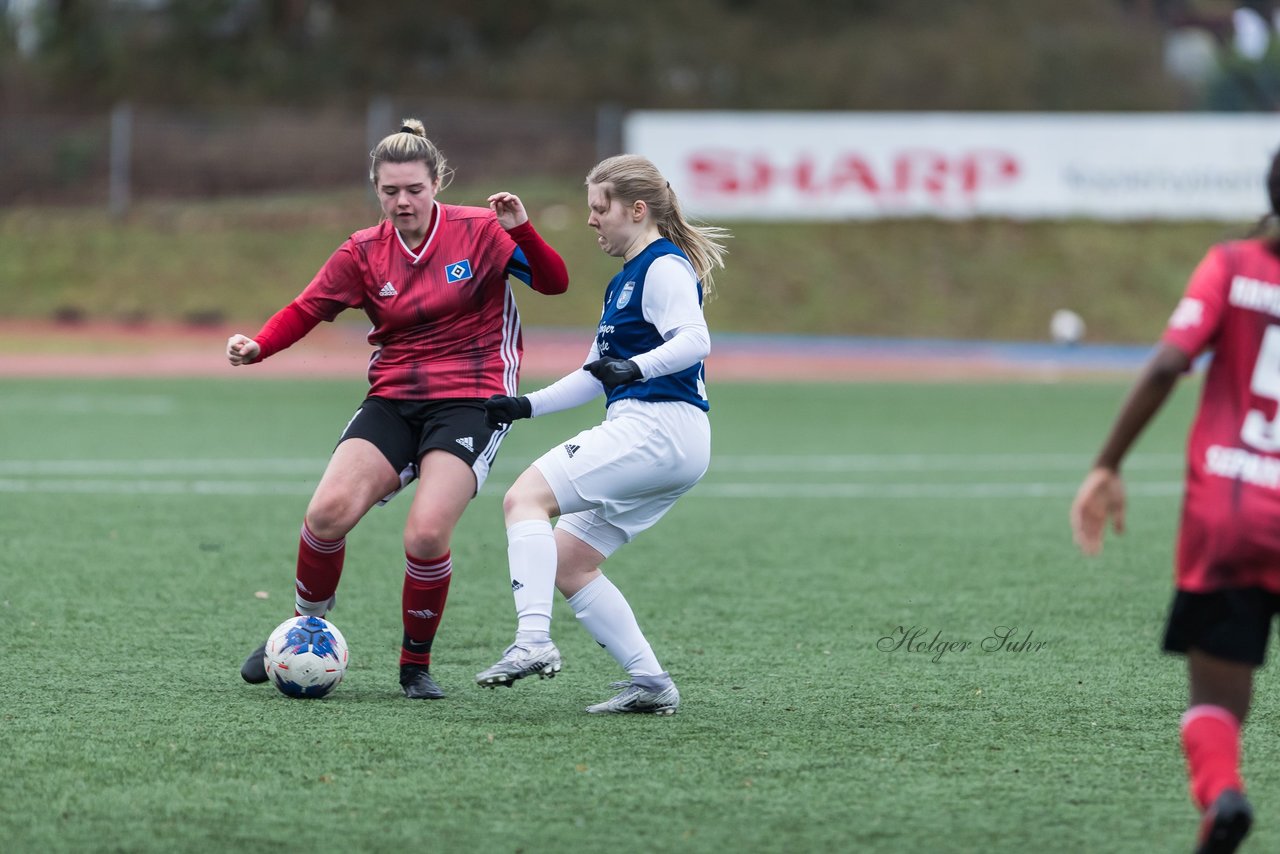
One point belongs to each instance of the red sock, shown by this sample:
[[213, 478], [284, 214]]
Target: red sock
[[426, 586], [319, 568], [1211, 741]]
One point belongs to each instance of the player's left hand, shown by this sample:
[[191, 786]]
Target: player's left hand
[[501, 409], [613, 372], [509, 208], [1100, 497]]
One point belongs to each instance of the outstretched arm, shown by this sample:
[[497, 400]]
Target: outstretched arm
[[285, 328], [567, 392], [573, 389], [1101, 496]]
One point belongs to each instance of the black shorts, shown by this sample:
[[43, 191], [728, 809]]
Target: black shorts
[[404, 430], [1233, 624]]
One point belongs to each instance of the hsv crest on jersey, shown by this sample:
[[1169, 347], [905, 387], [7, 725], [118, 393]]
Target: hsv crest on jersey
[[458, 271], [624, 296], [421, 330]]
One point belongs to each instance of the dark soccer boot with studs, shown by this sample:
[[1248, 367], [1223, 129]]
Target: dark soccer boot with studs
[[418, 684], [1225, 825], [254, 669]]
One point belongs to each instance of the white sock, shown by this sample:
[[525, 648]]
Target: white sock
[[531, 557], [306, 608], [605, 614]]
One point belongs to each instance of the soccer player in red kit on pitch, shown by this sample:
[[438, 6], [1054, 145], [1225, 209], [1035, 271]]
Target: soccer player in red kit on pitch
[[433, 280], [1228, 549]]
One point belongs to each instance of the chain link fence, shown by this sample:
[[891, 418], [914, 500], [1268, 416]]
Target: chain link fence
[[137, 153]]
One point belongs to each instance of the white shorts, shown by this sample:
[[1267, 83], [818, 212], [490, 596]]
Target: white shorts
[[619, 478]]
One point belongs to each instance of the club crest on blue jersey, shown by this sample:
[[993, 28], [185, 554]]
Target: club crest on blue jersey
[[458, 271], [624, 296]]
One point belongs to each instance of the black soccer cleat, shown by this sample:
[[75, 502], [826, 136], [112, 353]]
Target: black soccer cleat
[[1226, 823], [254, 669], [418, 684]]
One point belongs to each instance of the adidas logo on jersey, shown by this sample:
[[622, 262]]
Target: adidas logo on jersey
[[516, 585], [424, 614], [388, 290], [571, 450], [466, 442]]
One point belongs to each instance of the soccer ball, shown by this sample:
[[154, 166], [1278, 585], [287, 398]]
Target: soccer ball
[[306, 657], [1066, 327]]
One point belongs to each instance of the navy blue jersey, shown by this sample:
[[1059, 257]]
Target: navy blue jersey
[[624, 333]]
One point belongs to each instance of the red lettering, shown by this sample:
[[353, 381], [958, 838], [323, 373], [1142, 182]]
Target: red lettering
[[984, 169], [729, 173], [852, 171], [924, 170], [713, 174], [910, 172], [806, 182]]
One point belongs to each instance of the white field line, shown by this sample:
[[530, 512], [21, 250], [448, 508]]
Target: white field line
[[90, 404], [83, 486], [985, 464], [827, 491], [754, 491], [928, 462], [720, 491], [176, 468], [297, 477]]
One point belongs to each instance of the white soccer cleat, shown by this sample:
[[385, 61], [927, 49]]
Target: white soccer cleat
[[519, 661], [637, 700]]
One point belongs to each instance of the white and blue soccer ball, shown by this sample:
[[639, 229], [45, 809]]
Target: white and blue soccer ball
[[1066, 327], [306, 657]]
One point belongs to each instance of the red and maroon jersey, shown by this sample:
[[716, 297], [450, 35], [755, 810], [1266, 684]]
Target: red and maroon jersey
[[444, 319], [1230, 531]]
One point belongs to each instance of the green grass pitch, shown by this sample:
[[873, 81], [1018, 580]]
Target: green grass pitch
[[822, 599]]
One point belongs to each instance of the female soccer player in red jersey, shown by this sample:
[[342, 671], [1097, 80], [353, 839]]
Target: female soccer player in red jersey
[[433, 280], [1228, 551]]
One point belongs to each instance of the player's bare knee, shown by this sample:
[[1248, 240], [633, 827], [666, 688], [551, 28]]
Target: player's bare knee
[[515, 504], [426, 540], [331, 519]]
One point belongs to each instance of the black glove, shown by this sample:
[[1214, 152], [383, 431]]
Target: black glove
[[613, 372], [500, 409]]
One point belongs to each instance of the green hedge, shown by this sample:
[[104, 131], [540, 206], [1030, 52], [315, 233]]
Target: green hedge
[[241, 260]]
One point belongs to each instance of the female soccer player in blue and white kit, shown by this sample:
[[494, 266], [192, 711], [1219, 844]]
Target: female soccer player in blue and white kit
[[611, 482]]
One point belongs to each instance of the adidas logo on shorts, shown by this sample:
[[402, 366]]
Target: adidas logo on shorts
[[571, 450], [466, 442], [516, 585]]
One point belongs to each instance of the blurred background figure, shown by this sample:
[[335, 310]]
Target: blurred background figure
[[1228, 558]]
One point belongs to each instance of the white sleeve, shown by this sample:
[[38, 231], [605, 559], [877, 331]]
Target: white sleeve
[[671, 305], [569, 391]]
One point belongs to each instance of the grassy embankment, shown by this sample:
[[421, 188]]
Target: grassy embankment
[[240, 260]]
